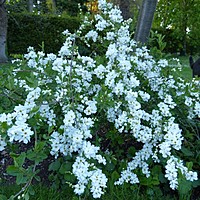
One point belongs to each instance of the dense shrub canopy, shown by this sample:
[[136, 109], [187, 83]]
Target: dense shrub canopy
[[113, 115]]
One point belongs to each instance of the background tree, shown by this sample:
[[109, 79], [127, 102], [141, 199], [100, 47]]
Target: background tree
[[19, 5], [145, 19], [180, 20], [51, 4], [70, 7], [30, 5], [3, 31]]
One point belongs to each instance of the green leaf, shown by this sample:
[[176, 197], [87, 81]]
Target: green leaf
[[37, 156], [13, 170], [196, 183], [3, 197], [26, 196], [40, 146], [37, 178], [65, 167], [54, 166], [32, 81], [18, 158], [162, 178], [187, 152], [114, 176], [131, 151], [50, 129], [110, 166], [10, 83], [69, 177], [184, 186], [189, 165], [31, 190], [20, 179], [156, 170], [34, 110], [149, 181], [11, 197]]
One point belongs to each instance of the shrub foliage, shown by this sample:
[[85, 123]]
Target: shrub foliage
[[113, 117]]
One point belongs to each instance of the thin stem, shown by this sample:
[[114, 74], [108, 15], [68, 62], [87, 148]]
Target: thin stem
[[70, 74], [34, 168]]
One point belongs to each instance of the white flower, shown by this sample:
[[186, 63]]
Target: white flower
[[163, 63], [92, 34], [101, 24], [144, 95], [127, 176], [89, 150], [110, 35], [34, 94], [77, 139], [57, 144], [165, 149], [121, 120], [197, 109], [112, 52], [8, 118], [58, 65], [20, 132], [99, 71], [188, 101], [69, 118], [91, 108], [168, 100], [2, 143], [172, 173], [173, 136], [98, 181], [115, 15], [100, 159], [191, 176], [79, 189], [51, 56], [119, 88], [164, 108]]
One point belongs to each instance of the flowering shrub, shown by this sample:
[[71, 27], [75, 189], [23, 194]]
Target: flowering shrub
[[83, 107]]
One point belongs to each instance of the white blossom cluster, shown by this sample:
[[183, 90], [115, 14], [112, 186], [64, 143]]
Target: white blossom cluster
[[172, 167], [19, 129], [98, 180], [126, 85]]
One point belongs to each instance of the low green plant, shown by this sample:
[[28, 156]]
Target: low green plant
[[157, 44]]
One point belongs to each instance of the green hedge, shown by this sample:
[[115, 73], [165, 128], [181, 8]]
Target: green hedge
[[26, 30]]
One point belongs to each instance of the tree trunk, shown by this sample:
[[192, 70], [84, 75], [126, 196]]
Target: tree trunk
[[3, 31], [145, 20], [30, 6]]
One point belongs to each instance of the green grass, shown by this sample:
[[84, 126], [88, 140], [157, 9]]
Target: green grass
[[118, 193], [186, 72]]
